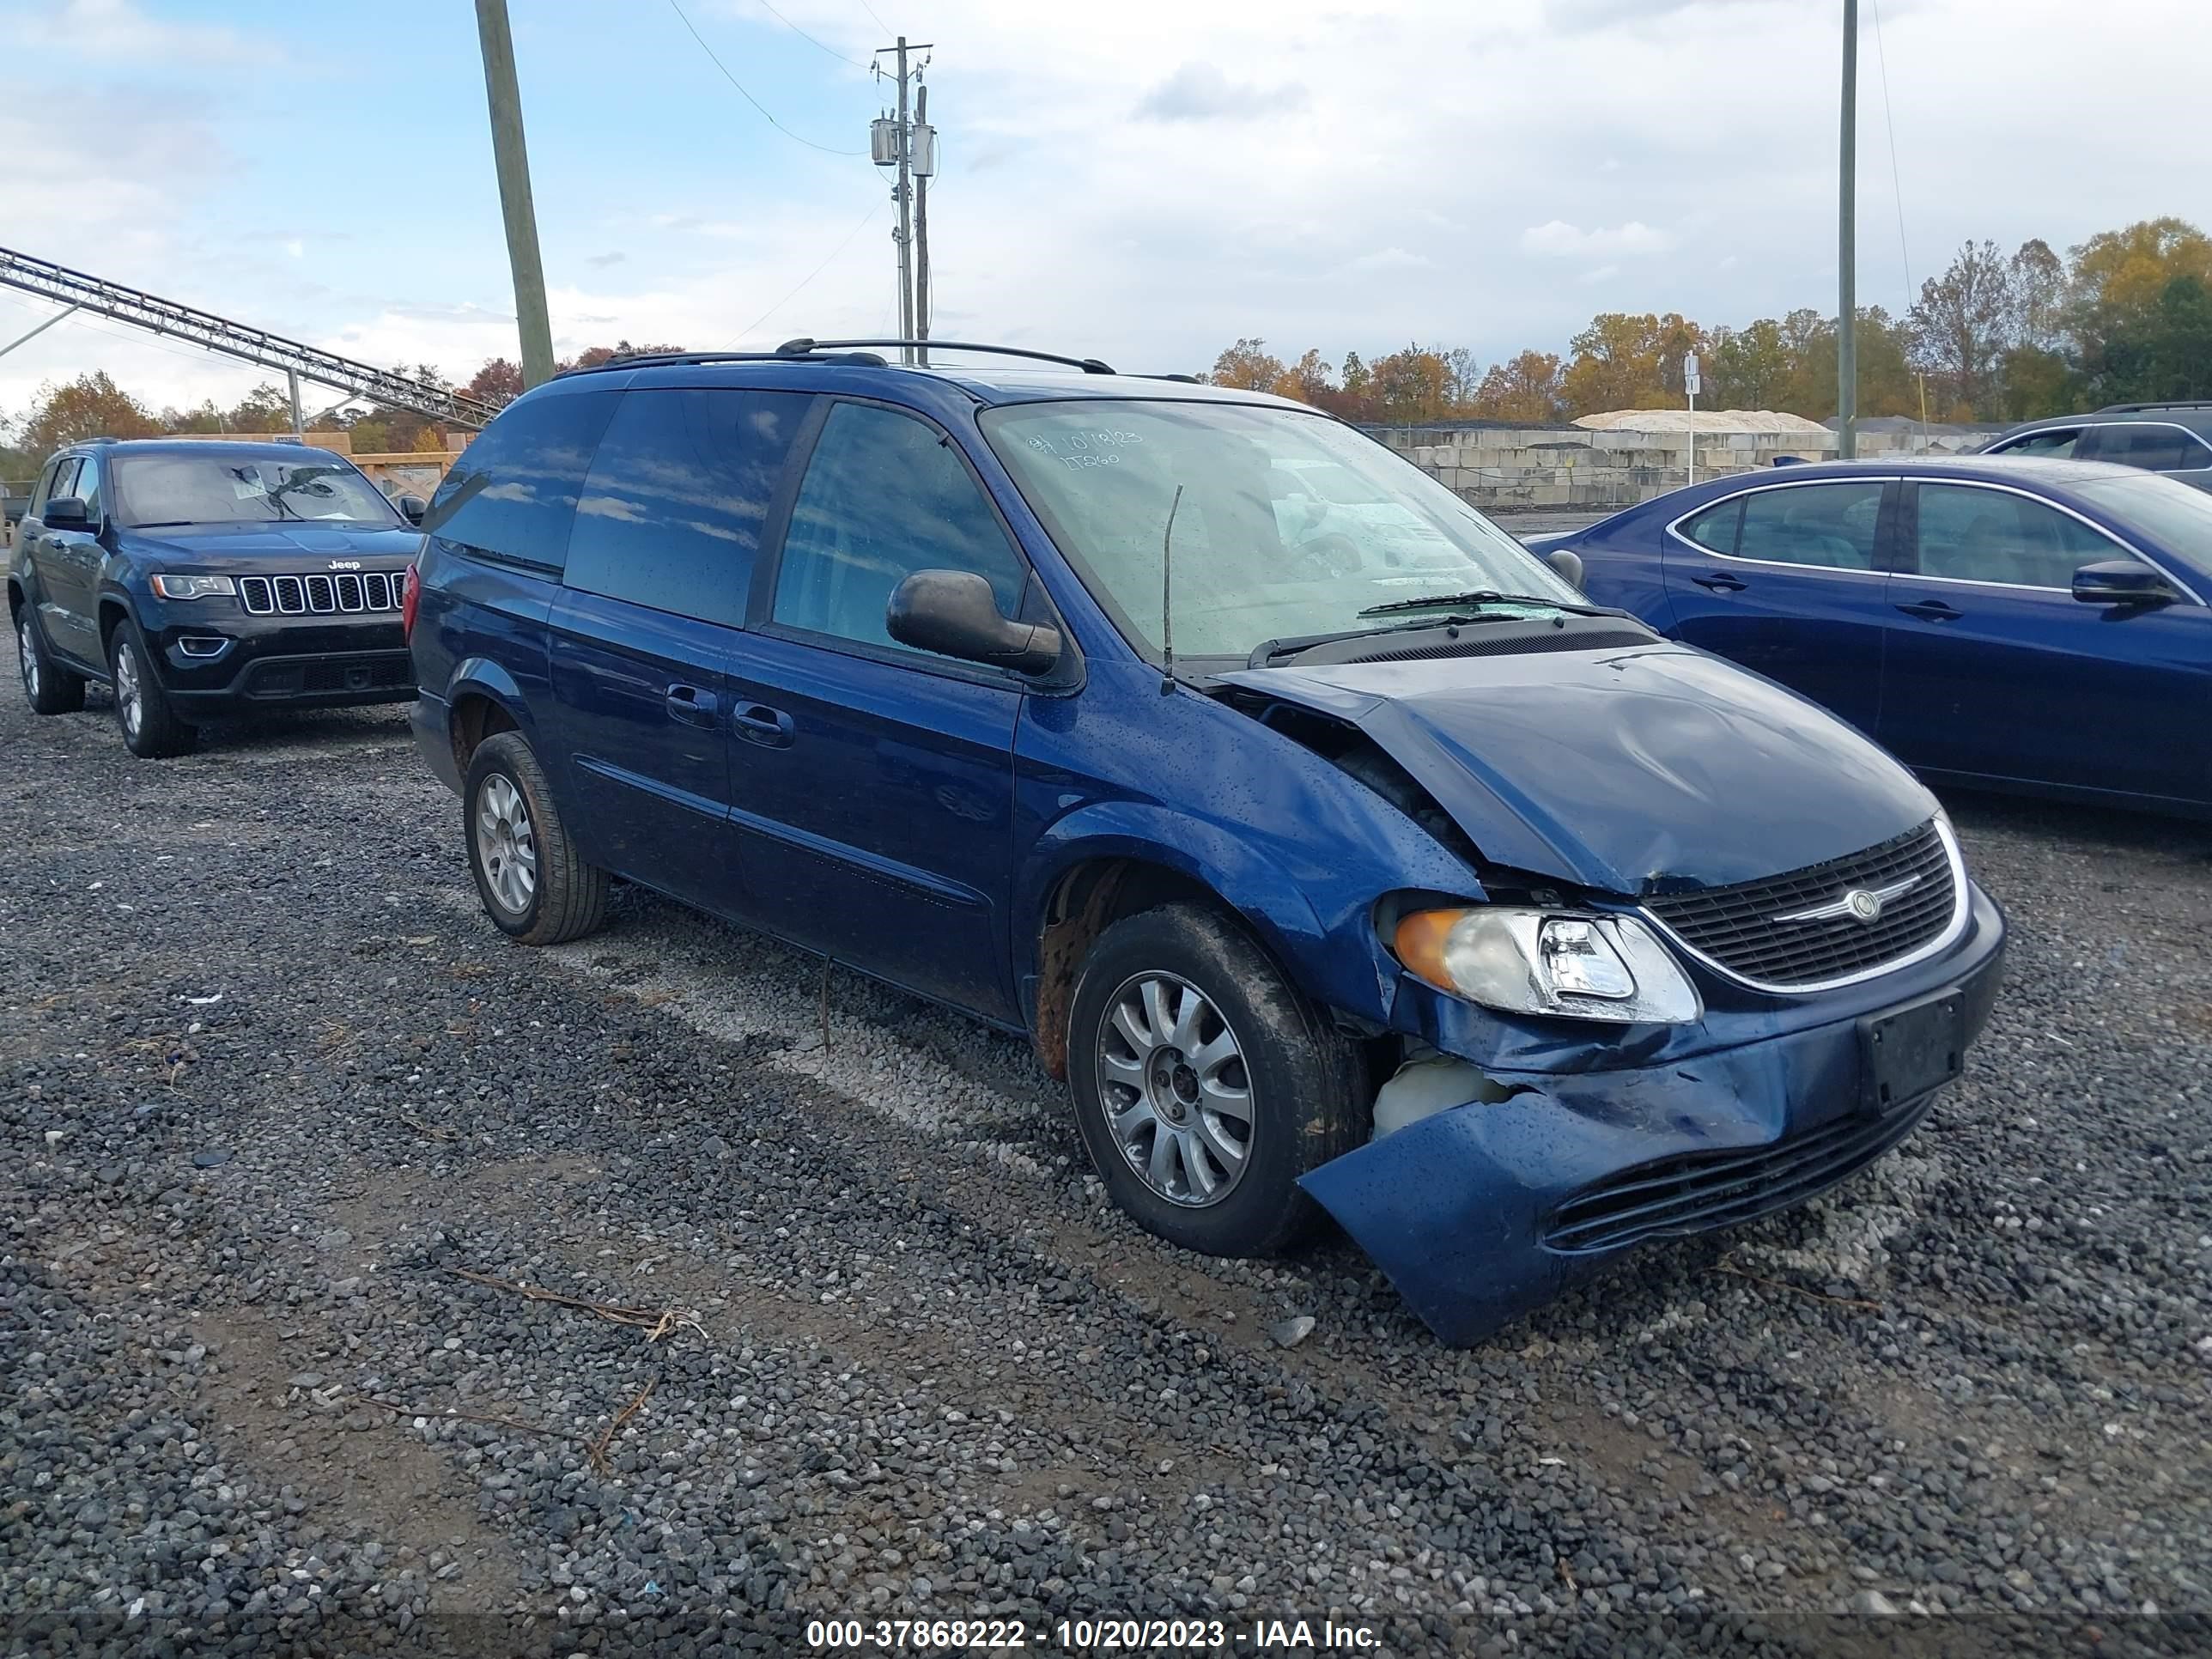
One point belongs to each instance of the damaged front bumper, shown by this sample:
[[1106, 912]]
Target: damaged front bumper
[[1481, 1211]]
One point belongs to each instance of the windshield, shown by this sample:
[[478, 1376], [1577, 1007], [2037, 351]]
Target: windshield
[[1289, 524], [215, 488], [2165, 510]]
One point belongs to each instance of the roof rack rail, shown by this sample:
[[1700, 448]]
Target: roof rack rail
[[1186, 380], [656, 359], [2168, 403], [804, 347]]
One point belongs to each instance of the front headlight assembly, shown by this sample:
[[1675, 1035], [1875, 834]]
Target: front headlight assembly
[[193, 587], [1543, 962]]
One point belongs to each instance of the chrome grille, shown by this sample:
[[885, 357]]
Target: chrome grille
[[1769, 933], [319, 594]]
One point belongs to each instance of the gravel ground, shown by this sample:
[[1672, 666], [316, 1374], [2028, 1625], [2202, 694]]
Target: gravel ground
[[851, 1331]]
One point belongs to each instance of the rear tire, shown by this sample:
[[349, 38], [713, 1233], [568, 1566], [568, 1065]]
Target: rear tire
[[533, 885], [1184, 1027], [148, 721], [48, 687]]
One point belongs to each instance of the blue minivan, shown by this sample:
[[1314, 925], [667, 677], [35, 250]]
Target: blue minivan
[[1338, 854]]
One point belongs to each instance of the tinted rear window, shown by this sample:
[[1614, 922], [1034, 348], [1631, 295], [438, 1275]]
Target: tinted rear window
[[517, 485], [671, 512], [2154, 449]]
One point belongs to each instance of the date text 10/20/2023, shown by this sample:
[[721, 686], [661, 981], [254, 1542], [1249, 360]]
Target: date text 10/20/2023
[[1089, 1635]]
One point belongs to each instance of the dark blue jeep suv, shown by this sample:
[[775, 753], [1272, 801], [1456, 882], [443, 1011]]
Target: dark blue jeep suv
[[1336, 853], [205, 580]]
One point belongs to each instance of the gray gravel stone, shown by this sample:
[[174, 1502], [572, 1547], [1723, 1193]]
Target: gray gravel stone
[[908, 1344]]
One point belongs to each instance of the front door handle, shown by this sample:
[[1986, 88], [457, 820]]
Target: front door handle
[[1721, 582], [1931, 610], [756, 722], [691, 705]]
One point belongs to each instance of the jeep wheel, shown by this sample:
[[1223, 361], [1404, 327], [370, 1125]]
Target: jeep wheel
[[528, 875], [1205, 1085], [151, 730], [50, 688]]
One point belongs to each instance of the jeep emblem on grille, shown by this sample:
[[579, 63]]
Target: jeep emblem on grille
[[345, 564], [1865, 906]]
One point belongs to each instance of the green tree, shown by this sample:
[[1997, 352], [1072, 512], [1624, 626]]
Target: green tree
[[1962, 325], [1616, 365], [1747, 367]]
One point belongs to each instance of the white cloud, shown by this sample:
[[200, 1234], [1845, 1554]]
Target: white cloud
[[1200, 91], [1338, 174], [1557, 237]]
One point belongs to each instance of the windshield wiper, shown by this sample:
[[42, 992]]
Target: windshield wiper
[[1479, 595], [1268, 651]]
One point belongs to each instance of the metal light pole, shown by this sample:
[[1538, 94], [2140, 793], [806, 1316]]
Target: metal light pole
[[511, 159], [34, 333], [1847, 343]]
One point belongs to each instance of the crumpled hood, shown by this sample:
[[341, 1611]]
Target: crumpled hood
[[1650, 769], [279, 545]]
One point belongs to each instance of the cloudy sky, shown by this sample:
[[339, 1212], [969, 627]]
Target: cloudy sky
[[1140, 179]]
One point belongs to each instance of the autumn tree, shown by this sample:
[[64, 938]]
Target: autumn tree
[[1526, 388], [1619, 363], [1248, 366], [498, 382], [90, 406], [1412, 385]]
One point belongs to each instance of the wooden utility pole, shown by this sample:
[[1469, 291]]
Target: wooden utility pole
[[512, 158], [1847, 314]]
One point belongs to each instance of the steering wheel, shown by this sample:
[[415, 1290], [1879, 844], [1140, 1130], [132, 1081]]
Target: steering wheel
[[1334, 552]]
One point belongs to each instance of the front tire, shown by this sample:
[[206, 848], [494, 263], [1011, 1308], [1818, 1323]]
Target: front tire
[[48, 687], [1205, 1085], [532, 884], [148, 721]]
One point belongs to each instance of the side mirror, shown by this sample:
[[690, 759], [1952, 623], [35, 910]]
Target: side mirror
[[67, 512], [954, 614], [1567, 563], [2122, 581], [411, 508]]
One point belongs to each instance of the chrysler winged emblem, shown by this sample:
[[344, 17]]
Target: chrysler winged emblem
[[1863, 905]]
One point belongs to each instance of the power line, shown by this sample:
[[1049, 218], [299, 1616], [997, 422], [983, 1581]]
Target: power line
[[809, 38], [878, 22], [747, 96], [1889, 124], [866, 220]]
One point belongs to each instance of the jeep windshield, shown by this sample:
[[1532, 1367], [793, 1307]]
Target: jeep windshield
[[155, 490], [1289, 524]]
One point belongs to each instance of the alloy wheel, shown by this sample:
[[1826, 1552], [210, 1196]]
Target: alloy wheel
[[129, 693], [1175, 1089], [27, 649], [507, 843]]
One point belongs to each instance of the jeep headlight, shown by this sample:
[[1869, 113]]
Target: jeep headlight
[[1544, 961], [193, 587]]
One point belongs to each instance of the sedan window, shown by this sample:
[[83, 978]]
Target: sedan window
[[1829, 524], [2057, 444], [1975, 535]]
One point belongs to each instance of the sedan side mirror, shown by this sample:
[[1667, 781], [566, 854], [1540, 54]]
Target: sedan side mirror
[[2122, 581], [67, 512], [954, 614], [1567, 563], [411, 508]]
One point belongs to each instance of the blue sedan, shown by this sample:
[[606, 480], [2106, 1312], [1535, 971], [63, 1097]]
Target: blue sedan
[[2024, 625]]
